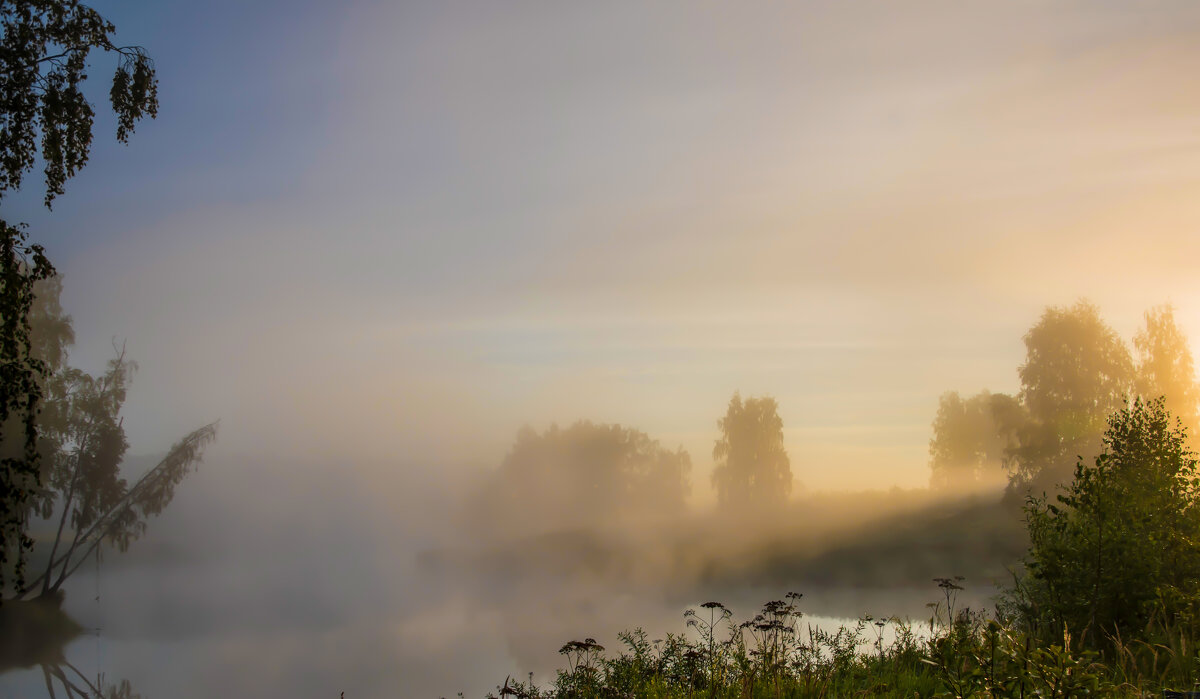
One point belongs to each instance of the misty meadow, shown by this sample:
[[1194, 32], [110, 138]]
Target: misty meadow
[[430, 349]]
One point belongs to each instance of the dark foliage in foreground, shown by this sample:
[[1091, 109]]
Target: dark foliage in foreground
[[1108, 605], [956, 653], [1119, 545], [45, 118]]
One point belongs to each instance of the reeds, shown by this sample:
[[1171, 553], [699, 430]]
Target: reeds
[[964, 653]]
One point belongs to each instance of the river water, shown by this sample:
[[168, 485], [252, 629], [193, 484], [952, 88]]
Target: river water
[[307, 582]]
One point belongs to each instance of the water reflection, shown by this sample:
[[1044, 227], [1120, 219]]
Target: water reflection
[[34, 636]]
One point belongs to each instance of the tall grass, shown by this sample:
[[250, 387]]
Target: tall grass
[[957, 653]]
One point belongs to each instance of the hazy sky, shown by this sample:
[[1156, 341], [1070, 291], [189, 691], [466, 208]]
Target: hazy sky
[[399, 231]]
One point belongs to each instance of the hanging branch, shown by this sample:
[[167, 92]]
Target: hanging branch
[[125, 520], [112, 383], [46, 120]]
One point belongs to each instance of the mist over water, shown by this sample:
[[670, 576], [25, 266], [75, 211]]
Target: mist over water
[[306, 579]]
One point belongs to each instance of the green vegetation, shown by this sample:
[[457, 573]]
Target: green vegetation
[[86, 498], [1077, 372], [44, 117], [955, 653], [1165, 368], [1118, 551], [1108, 604], [62, 440], [1104, 599]]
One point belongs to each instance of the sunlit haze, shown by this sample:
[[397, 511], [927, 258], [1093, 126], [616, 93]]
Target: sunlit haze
[[404, 231], [530, 322]]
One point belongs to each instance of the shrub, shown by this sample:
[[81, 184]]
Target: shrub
[[1118, 545]]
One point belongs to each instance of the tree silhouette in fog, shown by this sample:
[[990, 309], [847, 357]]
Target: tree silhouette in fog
[[85, 496], [752, 467], [972, 438], [45, 119], [1077, 372], [586, 474], [1165, 369]]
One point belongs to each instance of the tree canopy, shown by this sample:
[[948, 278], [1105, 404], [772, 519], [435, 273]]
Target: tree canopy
[[972, 438], [587, 473], [1077, 372], [1165, 369], [752, 466], [1121, 538], [44, 114], [21, 374], [82, 446]]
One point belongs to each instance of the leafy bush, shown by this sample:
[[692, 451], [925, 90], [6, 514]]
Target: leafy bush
[[964, 654], [1118, 546]]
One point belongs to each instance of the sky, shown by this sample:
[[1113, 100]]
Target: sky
[[393, 233]]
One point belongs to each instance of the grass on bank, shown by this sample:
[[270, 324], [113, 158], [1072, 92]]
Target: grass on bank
[[956, 653]]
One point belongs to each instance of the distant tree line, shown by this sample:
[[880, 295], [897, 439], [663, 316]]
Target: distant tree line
[[1105, 606], [588, 472], [1077, 372]]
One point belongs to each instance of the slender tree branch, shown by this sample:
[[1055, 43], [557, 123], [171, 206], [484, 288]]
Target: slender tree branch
[[105, 386], [67, 684], [95, 690], [62, 521], [49, 684], [186, 451]]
